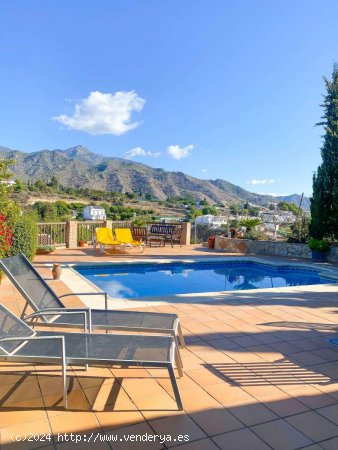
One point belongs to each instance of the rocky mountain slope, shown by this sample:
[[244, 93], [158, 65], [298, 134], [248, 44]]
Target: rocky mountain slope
[[79, 167]]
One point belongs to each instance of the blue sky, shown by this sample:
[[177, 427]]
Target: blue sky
[[216, 89]]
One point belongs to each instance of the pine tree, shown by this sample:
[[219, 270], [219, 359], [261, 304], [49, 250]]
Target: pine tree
[[324, 202]]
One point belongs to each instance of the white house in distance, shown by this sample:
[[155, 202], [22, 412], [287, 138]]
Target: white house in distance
[[211, 221], [8, 182], [277, 217], [94, 213]]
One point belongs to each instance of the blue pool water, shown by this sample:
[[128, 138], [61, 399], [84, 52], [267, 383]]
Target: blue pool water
[[142, 280]]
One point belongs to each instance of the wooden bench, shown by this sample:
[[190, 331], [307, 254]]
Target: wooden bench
[[163, 233], [140, 234]]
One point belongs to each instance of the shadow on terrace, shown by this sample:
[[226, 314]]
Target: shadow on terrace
[[239, 388]]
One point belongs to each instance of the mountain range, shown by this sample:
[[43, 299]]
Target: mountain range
[[79, 167]]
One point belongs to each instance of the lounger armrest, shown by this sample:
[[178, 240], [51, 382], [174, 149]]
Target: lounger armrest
[[89, 293], [86, 312], [23, 339]]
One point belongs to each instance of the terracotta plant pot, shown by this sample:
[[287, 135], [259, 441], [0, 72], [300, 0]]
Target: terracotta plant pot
[[43, 252], [56, 271], [82, 244]]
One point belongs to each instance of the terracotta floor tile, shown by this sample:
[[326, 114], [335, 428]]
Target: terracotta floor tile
[[99, 444], [306, 344], [312, 447], [229, 395], [76, 402], [286, 348], [108, 396], [329, 369], [246, 341], [39, 426], [144, 387], [312, 397], [330, 388], [206, 376], [203, 444], [76, 422], [240, 440], [16, 417], [155, 406], [281, 436], [216, 421], [253, 413], [330, 444], [330, 412], [116, 419], [197, 399], [177, 425], [313, 425], [307, 358], [141, 429], [263, 390], [11, 393], [326, 354], [284, 406], [183, 383], [223, 344], [31, 404]]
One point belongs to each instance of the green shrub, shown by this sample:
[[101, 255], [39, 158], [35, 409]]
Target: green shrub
[[249, 224], [319, 245], [256, 235], [46, 248], [25, 235]]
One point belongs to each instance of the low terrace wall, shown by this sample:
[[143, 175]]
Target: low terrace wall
[[273, 248]]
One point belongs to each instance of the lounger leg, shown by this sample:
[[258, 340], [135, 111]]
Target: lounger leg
[[177, 351], [178, 362], [175, 387], [64, 379], [179, 329]]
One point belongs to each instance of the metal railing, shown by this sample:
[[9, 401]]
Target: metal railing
[[52, 233], [86, 230]]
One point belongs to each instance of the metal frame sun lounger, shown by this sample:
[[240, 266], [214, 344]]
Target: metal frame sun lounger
[[104, 237], [50, 311], [124, 235], [20, 343]]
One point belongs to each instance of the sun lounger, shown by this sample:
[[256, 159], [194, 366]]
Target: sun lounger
[[50, 311], [20, 343], [104, 237], [124, 235]]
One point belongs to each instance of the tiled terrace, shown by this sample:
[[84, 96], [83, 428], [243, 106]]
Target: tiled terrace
[[259, 373]]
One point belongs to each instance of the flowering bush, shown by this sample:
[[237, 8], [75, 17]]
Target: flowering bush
[[6, 237]]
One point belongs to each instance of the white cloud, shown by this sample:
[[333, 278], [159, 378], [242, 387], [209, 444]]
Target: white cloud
[[177, 152], [264, 181], [139, 151], [273, 194], [204, 170], [101, 113]]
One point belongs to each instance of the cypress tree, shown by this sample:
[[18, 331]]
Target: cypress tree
[[324, 201]]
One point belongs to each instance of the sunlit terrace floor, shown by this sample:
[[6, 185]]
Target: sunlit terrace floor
[[259, 373]]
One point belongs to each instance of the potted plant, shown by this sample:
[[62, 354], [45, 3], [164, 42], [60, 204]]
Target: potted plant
[[82, 243], [45, 249], [319, 249]]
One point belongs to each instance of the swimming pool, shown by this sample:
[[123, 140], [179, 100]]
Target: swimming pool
[[148, 279]]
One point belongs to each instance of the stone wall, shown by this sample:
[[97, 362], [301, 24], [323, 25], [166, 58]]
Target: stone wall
[[274, 248]]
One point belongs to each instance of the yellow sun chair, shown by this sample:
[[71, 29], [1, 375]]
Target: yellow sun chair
[[104, 236], [124, 235]]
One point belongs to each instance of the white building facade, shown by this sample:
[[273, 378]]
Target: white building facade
[[94, 213], [211, 221]]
